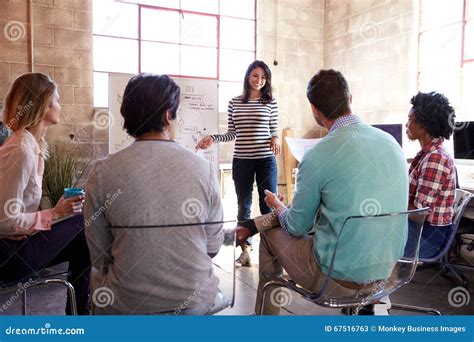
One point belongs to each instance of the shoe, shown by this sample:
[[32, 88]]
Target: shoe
[[244, 258], [367, 310]]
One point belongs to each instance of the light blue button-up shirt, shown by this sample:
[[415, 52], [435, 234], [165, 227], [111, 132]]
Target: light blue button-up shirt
[[353, 165]]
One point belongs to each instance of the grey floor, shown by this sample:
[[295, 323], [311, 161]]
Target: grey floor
[[428, 287]]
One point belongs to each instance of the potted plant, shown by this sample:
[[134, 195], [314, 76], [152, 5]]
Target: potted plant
[[61, 171]]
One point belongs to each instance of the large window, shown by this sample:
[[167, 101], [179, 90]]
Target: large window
[[446, 52], [210, 39]]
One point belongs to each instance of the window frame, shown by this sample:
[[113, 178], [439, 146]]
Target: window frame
[[184, 12], [463, 21]]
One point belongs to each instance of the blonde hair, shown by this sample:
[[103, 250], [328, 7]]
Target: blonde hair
[[27, 102]]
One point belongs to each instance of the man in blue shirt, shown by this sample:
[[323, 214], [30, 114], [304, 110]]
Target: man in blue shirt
[[354, 170]]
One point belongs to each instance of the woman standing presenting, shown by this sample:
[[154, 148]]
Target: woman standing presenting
[[253, 123]]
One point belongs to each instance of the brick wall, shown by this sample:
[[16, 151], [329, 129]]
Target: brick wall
[[62, 48], [374, 44]]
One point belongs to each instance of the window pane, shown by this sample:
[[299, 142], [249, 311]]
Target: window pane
[[115, 19], [160, 58], [436, 13], [199, 30], [233, 64], [160, 25], [115, 55], [441, 47], [205, 6], [160, 3], [237, 34], [240, 8], [198, 61], [228, 90], [467, 91], [443, 80], [469, 40], [470, 9], [101, 89]]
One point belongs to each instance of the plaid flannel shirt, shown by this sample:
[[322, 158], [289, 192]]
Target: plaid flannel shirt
[[433, 182]]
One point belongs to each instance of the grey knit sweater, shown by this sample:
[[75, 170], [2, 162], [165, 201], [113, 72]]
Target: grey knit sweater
[[152, 270]]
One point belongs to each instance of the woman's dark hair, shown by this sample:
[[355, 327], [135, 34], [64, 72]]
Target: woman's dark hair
[[146, 99], [433, 112], [266, 91], [329, 92]]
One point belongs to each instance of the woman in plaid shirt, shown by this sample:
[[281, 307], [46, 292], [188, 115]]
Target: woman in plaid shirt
[[432, 172]]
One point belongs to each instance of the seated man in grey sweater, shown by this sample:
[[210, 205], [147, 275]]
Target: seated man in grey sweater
[[140, 269]]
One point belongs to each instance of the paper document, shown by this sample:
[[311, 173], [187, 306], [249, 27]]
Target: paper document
[[298, 146]]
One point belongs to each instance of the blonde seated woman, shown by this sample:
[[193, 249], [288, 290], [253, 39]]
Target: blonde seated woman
[[29, 241]]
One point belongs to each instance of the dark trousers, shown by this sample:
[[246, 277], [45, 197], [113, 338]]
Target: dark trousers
[[64, 242], [433, 239], [244, 172]]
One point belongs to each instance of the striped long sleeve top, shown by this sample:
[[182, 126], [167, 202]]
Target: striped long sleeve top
[[252, 125]]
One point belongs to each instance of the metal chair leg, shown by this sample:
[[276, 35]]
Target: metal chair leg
[[70, 290], [461, 279], [23, 302], [414, 308]]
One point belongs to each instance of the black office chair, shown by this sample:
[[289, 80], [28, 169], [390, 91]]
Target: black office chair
[[442, 259]]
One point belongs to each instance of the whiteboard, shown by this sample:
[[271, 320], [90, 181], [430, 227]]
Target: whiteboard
[[197, 114]]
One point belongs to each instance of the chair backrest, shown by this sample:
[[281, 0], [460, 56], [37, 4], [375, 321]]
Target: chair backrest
[[224, 269], [383, 262], [461, 200]]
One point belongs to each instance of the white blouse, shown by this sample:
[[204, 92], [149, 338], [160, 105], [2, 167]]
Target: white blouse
[[21, 174]]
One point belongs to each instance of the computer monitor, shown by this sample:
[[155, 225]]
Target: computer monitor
[[463, 139], [3, 133], [395, 130]]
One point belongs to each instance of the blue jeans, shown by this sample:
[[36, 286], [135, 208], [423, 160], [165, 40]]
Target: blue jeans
[[433, 239], [244, 171]]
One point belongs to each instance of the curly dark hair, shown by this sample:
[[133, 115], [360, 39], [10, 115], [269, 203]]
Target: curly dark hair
[[434, 113], [266, 91], [329, 92]]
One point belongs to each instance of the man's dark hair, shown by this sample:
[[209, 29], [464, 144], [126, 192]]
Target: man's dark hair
[[433, 112], [146, 99], [266, 91], [329, 92]]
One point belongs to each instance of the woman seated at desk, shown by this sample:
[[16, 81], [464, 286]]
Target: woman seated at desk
[[432, 171]]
